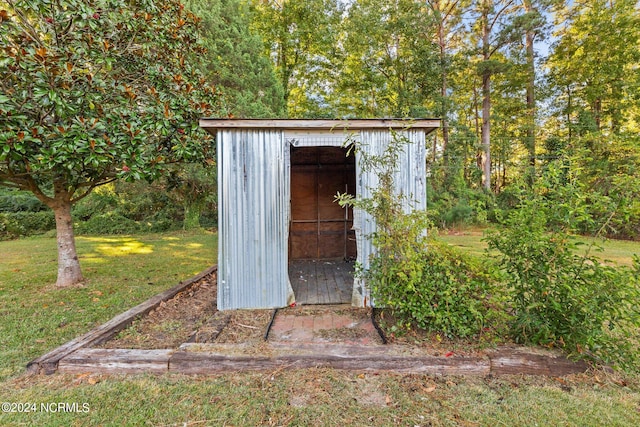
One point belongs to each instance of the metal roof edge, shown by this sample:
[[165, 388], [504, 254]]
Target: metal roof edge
[[211, 124]]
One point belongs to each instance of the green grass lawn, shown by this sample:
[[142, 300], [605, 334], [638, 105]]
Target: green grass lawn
[[123, 271], [617, 251]]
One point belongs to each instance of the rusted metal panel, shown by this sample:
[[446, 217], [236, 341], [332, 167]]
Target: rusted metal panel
[[253, 224]]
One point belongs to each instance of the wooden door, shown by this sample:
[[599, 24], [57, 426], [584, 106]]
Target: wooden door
[[320, 228]]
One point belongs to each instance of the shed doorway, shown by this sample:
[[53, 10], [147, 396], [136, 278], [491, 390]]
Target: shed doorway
[[322, 243]]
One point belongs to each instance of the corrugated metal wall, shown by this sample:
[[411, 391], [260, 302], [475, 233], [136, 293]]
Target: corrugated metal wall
[[410, 180], [253, 206]]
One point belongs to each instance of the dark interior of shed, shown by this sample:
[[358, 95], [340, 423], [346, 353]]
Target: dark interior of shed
[[320, 228], [322, 244]]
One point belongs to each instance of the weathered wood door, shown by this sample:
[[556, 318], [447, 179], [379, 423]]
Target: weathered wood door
[[320, 228]]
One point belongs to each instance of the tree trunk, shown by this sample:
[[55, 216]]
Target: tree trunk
[[486, 131], [443, 92], [597, 112], [486, 102], [531, 100], [69, 273], [569, 108]]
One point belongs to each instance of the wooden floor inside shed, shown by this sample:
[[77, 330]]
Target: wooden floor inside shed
[[321, 281]]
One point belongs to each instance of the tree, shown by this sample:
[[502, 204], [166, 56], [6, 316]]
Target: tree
[[490, 14], [525, 28], [192, 185], [93, 91], [599, 92], [447, 15], [390, 62], [300, 40], [532, 22], [236, 61]]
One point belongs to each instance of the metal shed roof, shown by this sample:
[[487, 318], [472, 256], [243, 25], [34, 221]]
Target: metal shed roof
[[213, 124]]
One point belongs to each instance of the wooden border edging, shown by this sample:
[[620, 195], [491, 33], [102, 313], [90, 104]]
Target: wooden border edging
[[510, 361], [116, 361], [202, 359], [48, 363], [184, 361]]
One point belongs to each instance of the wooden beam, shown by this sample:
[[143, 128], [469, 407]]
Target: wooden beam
[[185, 362], [514, 361], [213, 124], [115, 361], [207, 359], [48, 363]]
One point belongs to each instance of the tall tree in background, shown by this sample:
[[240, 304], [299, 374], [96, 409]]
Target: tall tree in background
[[490, 14], [93, 91], [300, 38], [390, 64], [531, 22], [235, 60], [599, 88], [521, 33], [447, 15]]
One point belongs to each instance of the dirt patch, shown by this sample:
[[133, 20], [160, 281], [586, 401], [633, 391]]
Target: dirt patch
[[191, 316], [246, 326], [173, 322], [190, 321], [434, 343]]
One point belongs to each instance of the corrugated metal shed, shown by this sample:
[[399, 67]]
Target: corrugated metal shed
[[255, 191]]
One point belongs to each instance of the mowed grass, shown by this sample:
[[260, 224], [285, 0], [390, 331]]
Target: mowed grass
[[123, 271], [323, 397], [619, 252]]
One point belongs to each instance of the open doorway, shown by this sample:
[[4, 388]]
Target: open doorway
[[322, 244]]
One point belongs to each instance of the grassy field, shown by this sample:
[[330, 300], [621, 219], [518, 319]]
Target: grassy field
[[617, 251], [123, 271]]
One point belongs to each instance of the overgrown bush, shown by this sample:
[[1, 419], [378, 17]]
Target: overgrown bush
[[425, 282], [22, 224], [461, 207], [560, 297], [125, 207], [108, 223], [22, 214], [19, 201], [432, 285]]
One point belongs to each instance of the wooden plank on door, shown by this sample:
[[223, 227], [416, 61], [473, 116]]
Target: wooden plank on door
[[303, 240], [304, 197]]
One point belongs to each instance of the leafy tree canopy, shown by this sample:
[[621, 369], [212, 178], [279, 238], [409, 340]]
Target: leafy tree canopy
[[96, 90], [236, 60]]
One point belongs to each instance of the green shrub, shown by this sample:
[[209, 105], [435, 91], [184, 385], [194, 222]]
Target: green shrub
[[108, 223], [121, 207], [434, 286], [20, 201], [459, 214], [563, 299], [425, 282], [22, 224], [102, 200], [459, 208]]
